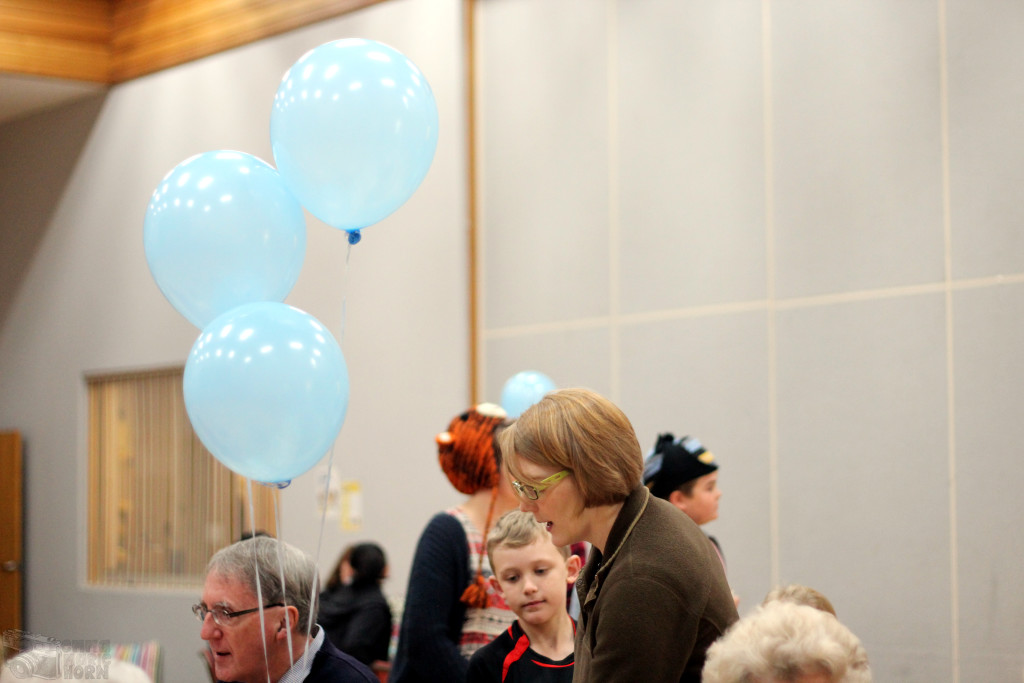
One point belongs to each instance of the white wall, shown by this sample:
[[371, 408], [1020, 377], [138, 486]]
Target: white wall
[[82, 176], [793, 230]]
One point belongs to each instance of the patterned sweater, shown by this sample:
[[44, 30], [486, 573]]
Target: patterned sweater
[[434, 617]]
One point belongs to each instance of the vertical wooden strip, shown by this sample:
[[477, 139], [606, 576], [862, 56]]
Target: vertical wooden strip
[[93, 533], [469, 41], [11, 527]]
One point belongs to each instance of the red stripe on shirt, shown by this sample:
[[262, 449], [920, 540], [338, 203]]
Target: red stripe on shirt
[[552, 666], [522, 645]]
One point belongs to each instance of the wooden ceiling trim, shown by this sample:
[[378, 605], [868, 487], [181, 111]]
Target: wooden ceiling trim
[[150, 35], [51, 57], [85, 20], [110, 41], [62, 38]]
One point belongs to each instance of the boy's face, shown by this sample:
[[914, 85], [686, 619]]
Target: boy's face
[[702, 504], [533, 579]]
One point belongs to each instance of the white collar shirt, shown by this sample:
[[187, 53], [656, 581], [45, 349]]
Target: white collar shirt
[[302, 666]]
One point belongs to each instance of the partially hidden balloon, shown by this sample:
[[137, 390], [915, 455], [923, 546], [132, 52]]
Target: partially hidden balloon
[[266, 389], [223, 230], [353, 131], [523, 389]]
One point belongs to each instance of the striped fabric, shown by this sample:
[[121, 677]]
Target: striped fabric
[[147, 655], [481, 625]]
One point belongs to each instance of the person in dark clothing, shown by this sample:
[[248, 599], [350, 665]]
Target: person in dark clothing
[[450, 608], [685, 474], [653, 593], [353, 610], [530, 572]]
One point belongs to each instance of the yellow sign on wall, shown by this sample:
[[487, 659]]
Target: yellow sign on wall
[[351, 506]]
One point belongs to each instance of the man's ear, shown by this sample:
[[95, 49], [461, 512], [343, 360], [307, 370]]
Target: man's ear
[[288, 618], [496, 586], [572, 566]]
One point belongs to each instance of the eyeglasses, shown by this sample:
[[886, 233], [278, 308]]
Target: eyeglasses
[[221, 615], [533, 492]]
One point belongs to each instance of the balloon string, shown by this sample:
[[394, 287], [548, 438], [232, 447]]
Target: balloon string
[[259, 589], [319, 544], [344, 292], [284, 592]]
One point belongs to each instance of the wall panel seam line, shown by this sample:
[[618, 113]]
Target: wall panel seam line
[[614, 284], [950, 365], [474, 234], [771, 303]]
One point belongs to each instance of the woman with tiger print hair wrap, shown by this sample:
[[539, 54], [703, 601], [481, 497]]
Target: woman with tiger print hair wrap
[[450, 610]]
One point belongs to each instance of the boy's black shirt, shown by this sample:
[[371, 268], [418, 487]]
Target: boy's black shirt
[[509, 659]]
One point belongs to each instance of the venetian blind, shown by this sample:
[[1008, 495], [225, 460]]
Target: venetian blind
[[159, 503]]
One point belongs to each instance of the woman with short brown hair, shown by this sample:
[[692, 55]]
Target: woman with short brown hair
[[653, 593]]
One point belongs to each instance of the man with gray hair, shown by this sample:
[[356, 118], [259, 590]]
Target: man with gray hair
[[259, 630]]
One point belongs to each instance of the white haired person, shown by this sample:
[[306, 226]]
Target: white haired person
[[801, 595], [784, 642], [255, 611]]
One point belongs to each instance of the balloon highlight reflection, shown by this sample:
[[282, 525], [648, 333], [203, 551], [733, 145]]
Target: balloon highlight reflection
[[266, 389], [223, 230], [353, 131]]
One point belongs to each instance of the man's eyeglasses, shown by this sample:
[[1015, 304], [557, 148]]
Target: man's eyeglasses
[[533, 492], [221, 615]]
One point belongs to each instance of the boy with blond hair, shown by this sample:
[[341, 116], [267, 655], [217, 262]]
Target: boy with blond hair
[[532, 575]]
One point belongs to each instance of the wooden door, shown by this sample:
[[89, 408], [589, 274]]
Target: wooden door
[[10, 531]]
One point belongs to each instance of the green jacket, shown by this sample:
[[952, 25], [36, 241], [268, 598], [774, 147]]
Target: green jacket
[[654, 600]]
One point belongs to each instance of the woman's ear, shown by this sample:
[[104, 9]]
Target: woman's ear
[[573, 565]]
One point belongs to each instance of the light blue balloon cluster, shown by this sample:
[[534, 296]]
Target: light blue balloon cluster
[[221, 230], [523, 389], [266, 389], [353, 131]]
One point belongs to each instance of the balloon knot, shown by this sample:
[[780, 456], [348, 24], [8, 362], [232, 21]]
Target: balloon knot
[[354, 236], [277, 484]]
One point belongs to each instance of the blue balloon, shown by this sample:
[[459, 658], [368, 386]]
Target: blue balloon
[[223, 230], [266, 389], [523, 389], [353, 131]]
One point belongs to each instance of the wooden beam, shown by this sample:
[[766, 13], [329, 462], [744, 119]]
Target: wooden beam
[[150, 35], [62, 38], [469, 41], [110, 41]]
